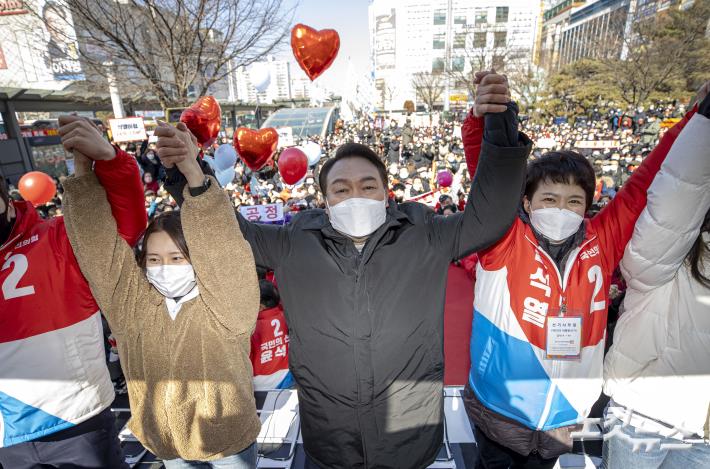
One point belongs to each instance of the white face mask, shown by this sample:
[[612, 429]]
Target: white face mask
[[172, 281], [556, 224], [358, 217]]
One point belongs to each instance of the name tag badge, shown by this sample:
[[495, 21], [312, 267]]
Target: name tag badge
[[564, 337]]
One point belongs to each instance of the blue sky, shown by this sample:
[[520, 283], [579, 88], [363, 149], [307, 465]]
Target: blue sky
[[349, 18]]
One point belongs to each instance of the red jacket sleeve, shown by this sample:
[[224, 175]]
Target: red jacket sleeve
[[615, 223], [124, 190], [472, 136]]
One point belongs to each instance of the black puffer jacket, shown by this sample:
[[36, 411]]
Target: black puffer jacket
[[366, 328]]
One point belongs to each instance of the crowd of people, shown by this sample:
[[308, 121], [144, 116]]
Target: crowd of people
[[617, 196]]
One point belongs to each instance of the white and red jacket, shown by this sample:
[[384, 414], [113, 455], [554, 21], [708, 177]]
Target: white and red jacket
[[269, 351], [518, 285], [52, 363]]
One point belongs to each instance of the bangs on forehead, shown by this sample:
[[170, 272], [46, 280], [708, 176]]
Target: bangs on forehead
[[561, 167]]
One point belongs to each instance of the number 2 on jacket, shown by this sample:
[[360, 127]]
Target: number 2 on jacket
[[594, 274], [10, 289]]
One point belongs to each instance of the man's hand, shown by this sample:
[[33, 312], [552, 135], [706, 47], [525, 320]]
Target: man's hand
[[492, 93], [177, 146], [79, 135]]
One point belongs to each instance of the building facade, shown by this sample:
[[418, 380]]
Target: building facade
[[449, 38], [279, 89], [577, 29]]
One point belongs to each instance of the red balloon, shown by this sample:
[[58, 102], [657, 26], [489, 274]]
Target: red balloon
[[314, 50], [204, 119], [37, 187], [255, 147], [445, 178], [293, 165]]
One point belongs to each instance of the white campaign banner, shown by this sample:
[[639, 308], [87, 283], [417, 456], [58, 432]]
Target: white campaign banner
[[262, 213], [129, 129], [285, 136]]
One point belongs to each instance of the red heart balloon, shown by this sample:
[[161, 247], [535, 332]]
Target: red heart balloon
[[293, 165], [255, 147], [37, 187], [314, 50], [204, 119]]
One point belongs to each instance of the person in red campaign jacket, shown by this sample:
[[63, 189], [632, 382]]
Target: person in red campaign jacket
[[55, 389], [541, 299], [269, 342]]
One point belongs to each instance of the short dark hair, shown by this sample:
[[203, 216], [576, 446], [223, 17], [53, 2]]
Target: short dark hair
[[351, 150], [563, 167], [170, 223], [270, 297]]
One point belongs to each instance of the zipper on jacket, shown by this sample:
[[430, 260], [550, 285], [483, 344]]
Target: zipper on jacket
[[555, 371]]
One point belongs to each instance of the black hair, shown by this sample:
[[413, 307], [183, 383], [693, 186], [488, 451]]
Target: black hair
[[170, 223], [351, 150], [564, 167], [399, 187], [270, 297], [4, 193], [699, 254]]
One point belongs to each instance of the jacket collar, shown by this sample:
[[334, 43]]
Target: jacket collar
[[25, 218]]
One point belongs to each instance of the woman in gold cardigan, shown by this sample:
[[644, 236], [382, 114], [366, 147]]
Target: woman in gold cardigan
[[182, 316]]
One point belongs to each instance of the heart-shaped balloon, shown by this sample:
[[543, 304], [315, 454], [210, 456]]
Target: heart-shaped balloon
[[204, 119], [314, 50], [255, 147], [293, 165]]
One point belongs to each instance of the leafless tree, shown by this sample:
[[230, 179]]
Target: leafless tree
[[479, 57], [664, 54], [428, 87], [171, 47]]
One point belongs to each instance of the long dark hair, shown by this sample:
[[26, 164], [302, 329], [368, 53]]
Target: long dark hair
[[170, 223], [700, 254]]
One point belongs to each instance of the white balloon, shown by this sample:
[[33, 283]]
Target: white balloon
[[312, 151], [225, 176], [210, 161], [260, 76], [225, 157]]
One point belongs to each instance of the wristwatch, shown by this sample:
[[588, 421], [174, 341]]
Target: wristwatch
[[195, 191]]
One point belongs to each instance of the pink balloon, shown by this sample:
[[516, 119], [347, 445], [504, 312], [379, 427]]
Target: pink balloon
[[293, 165], [444, 178]]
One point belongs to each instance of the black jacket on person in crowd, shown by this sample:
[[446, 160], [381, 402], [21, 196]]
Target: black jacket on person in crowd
[[366, 328]]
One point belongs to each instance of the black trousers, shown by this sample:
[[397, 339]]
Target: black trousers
[[91, 444], [492, 455]]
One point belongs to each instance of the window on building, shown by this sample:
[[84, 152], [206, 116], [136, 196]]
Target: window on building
[[481, 16], [440, 17], [479, 40], [460, 41], [458, 64], [502, 14], [499, 38], [437, 65], [439, 41], [460, 19], [498, 62]]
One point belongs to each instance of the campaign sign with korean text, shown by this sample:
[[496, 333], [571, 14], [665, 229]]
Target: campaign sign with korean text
[[129, 129], [262, 213]]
